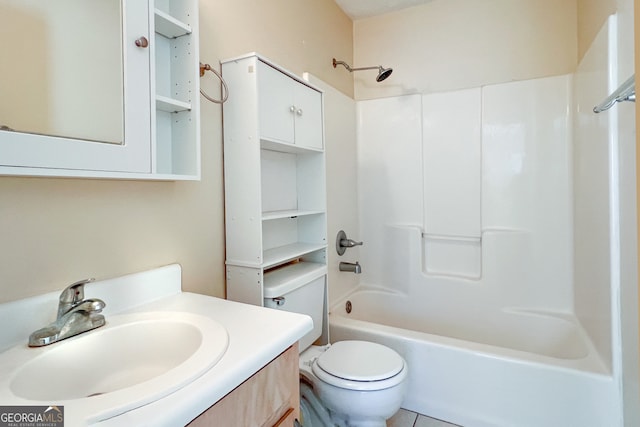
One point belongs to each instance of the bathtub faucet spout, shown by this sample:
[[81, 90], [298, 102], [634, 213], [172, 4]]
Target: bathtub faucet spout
[[349, 266]]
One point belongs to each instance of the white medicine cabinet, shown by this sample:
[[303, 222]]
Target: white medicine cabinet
[[275, 191], [161, 107]]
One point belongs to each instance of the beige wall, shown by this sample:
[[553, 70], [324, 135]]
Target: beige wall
[[55, 231], [452, 44], [591, 17], [298, 35], [636, 5]]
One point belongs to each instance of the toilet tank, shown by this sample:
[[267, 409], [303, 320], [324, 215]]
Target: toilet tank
[[304, 294]]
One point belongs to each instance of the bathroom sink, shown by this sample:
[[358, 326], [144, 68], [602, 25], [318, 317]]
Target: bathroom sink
[[131, 361]]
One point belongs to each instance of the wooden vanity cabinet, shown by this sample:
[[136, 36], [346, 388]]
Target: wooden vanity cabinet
[[269, 398]]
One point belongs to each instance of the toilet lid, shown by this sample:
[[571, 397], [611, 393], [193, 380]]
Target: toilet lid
[[360, 361]]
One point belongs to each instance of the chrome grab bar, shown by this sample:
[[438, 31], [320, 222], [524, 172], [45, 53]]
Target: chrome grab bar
[[626, 92]]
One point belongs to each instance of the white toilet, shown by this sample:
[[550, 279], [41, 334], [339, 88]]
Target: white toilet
[[349, 383]]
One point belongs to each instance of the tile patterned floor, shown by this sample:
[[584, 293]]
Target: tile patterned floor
[[406, 418]]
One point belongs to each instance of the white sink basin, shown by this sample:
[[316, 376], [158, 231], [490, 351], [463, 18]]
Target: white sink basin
[[132, 360]]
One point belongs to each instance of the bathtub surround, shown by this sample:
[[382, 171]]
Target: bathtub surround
[[503, 218], [592, 175], [452, 182], [516, 164], [605, 199]]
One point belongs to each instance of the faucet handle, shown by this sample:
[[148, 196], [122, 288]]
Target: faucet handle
[[74, 293], [348, 243], [342, 242]]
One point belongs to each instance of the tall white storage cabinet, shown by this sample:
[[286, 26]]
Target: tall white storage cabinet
[[275, 194]]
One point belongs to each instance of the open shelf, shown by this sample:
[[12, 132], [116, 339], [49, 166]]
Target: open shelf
[[293, 213], [284, 147], [170, 27], [174, 45], [171, 105], [282, 254], [286, 278]]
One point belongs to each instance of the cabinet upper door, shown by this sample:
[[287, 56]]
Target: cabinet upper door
[[308, 117], [275, 104], [25, 153]]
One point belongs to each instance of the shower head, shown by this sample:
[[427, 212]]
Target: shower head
[[383, 73]]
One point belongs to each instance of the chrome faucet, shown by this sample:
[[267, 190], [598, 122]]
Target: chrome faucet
[[349, 266], [75, 316]]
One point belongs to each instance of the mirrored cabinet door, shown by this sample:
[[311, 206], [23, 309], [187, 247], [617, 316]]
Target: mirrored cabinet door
[[78, 97]]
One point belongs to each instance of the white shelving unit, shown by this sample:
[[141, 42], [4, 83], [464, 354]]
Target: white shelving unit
[[175, 84], [275, 194]]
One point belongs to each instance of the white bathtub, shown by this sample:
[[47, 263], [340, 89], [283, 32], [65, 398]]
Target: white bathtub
[[510, 368]]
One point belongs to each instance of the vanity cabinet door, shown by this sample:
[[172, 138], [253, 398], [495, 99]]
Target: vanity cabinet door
[[288, 419], [271, 397]]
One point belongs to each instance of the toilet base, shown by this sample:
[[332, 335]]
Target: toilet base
[[343, 407], [359, 409], [312, 411], [315, 414]]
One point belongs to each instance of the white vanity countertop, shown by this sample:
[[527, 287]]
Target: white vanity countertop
[[256, 336]]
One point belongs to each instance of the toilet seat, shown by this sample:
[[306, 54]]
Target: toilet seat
[[360, 365]]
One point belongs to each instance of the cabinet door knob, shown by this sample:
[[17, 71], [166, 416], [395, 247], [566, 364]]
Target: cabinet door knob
[[142, 42], [292, 108], [299, 111]]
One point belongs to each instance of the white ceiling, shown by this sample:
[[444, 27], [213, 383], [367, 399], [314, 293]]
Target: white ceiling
[[357, 9]]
